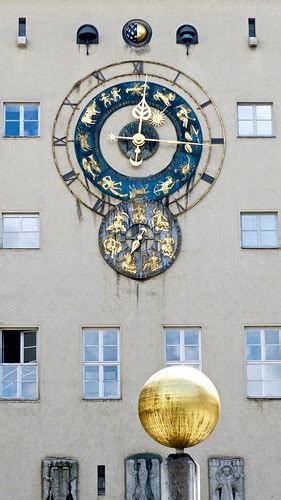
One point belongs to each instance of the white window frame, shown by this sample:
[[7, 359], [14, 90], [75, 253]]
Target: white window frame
[[258, 215], [254, 105], [183, 361], [18, 366], [21, 119], [101, 363], [21, 215], [263, 362]]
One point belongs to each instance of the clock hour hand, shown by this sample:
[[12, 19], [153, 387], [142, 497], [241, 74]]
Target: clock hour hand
[[113, 137], [137, 241], [142, 111]]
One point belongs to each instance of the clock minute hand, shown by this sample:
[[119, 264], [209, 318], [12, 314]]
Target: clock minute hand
[[113, 137]]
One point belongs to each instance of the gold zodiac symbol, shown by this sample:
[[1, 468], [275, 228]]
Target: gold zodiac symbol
[[109, 185], [90, 164], [112, 246], [138, 214], [106, 100], [89, 113], [167, 246], [116, 94], [83, 138], [159, 221], [117, 225], [153, 263], [129, 263], [183, 115], [134, 192], [165, 98], [136, 90], [164, 186]]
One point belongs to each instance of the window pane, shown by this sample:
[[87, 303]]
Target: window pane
[[110, 353], [30, 223], [110, 373], [192, 353], [245, 112], [273, 372], [11, 224], [11, 240], [273, 388], [268, 239], [272, 336], [246, 128], [30, 339], [28, 373], [91, 390], [9, 390], [254, 372], [249, 222], [91, 353], [253, 353], [172, 337], [110, 337], [253, 336], [30, 240], [30, 112], [12, 129], [249, 238], [264, 128], [110, 390], [29, 354], [268, 222], [272, 352], [29, 390], [91, 373], [191, 337], [254, 389], [172, 353], [9, 373], [263, 112], [30, 129], [12, 112], [91, 337]]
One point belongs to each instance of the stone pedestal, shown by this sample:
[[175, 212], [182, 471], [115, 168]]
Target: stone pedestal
[[180, 478]]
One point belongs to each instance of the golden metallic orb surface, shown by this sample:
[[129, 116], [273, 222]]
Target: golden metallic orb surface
[[179, 406], [141, 32]]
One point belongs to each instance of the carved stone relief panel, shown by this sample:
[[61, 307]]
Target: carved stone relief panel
[[143, 480], [226, 478], [59, 479]]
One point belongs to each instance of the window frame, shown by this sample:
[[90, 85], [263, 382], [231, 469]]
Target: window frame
[[100, 363], [254, 105], [258, 214], [263, 362], [20, 215], [21, 104], [182, 330], [22, 331]]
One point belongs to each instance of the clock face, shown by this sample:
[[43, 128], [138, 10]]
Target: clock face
[[138, 130], [139, 239]]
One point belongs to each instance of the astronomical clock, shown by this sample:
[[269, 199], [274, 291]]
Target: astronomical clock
[[139, 143]]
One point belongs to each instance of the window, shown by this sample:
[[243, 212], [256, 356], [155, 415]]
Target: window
[[20, 230], [101, 371], [259, 230], [21, 120], [263, 362], [101, 480], [183, 346], [18, 364], [255, 120]]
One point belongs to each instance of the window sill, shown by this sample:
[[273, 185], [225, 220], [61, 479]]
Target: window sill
[[19, 248], [101, 400], [263, 398], [256, 136], [18, 400], [260, 248], [21, 136]]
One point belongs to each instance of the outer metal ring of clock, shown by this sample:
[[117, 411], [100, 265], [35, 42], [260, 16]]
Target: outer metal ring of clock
[[85, 89], [139, 239]]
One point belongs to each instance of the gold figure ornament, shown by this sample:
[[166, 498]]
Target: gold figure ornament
[[89, 113], [116, 94], [159, 221], [135, 90], [157, 118], [129, 263], [91, 166], [183, 114], [117, 225], [164, 186], [153, 263], [138, 216], [112, 246], [167, 246], [83, 139], [165, 98], [109, 185], [105, 99], [134, 192], [179, 407]]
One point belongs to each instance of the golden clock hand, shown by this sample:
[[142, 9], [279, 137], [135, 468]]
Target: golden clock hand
[[142, 110], [137, 241], [113, 137]]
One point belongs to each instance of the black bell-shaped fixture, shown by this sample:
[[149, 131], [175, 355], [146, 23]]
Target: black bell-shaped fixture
[[187, 35], [87, 35]]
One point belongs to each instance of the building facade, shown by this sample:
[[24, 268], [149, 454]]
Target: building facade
[[79, 335]]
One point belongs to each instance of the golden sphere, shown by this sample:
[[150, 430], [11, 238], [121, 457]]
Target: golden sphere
[[179, 406], [141, 32]]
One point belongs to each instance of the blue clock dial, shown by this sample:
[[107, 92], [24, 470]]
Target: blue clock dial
[[151, 105]]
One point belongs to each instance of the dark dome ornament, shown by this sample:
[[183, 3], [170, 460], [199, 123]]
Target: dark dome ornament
[[137, 33]]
